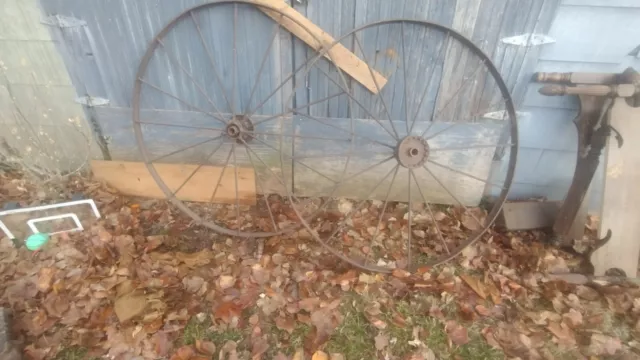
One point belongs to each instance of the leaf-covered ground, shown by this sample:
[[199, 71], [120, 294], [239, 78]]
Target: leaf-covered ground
[[146, 283]]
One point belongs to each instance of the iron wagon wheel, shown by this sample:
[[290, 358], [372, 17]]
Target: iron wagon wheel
[[441, 130], [192, 104]]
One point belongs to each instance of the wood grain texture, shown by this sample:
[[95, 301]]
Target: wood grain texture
[[133, 178], [339, 54], [621, 195]]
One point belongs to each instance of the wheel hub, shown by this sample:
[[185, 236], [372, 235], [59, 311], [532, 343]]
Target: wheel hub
[[240, 128], [412, 152]]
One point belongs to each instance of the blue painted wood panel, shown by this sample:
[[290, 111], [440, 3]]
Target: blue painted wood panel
[[103, 59]]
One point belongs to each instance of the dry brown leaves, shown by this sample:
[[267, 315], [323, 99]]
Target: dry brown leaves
[[126, 287]]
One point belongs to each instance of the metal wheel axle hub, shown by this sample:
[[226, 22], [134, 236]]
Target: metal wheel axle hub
[[240, 128], [412, 152]]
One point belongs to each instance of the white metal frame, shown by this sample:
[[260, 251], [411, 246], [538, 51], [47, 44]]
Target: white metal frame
[[32, 222], [34, 229]]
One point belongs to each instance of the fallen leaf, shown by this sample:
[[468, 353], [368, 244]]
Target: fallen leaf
[[45, 279], [309, 304], [604, 345], [379, 324], [475, 284], [563, 334], [487, 333], [400, 273], [456, 332], [366, 279], [161, 343], [382, 341], [320, 355], [259, 346], [280, 356], [346, 278], [482, 310], [184, 353], [472, 218], [573, 318], [196, 259], [299, 355], [226, 281], [315, 339], [285, 323], [193, 284], [206, 347], [129, 306], [227, 311]]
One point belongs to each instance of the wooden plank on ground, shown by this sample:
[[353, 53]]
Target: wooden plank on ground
[[343, 58], [133, 178], [621, 196]]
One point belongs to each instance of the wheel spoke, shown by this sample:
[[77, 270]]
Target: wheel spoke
[[178, 125], [210, 56], [353, 99], [197, 169], [343, 130], [383, 161], [446, 104], [298, 161], [268, 168], [384, 104], [284, 82], [235, 173], [320, 156], [448, 127], [275, 32], [465, 174], [446, 189], [404, 78], [291, 111], [384, 208], [186, 148], [435, 222], [224, 169], [177, 63], [426, 88], [298, 136], [234, 75], [182, 101], [366, 199], [458, 148], [409, 220], [263, 188]]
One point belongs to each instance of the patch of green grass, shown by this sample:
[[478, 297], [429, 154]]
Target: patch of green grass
[[296, 339], [477, 347], [615, 326], [73, 353], [354, 337], [196, 330], [221, 337], [284, 342]]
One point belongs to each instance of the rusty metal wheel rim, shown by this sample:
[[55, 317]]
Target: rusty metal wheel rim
[[511, 143], [240, 127]]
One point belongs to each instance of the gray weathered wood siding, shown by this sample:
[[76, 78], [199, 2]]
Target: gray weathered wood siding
[[591, 35], [40, 123]]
